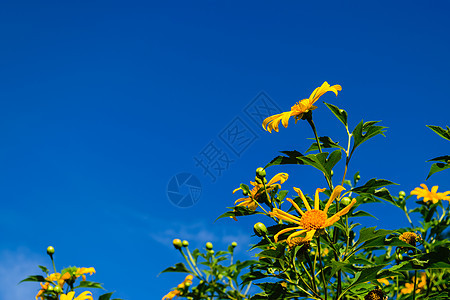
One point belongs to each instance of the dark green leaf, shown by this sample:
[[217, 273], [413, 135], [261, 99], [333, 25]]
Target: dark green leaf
[[325, 142], [366, 234], [89, 284], [44, 269], [179, 267], [361, 213], [366, 131], [321, 162], [371, 185], [339, 113], [106, 296], [34, 278], [290, 159], [437, 167], [441, 131]]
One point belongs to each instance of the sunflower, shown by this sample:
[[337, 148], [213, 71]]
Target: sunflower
[[258, 190], [313, 219], [300, 108], [432, 195]]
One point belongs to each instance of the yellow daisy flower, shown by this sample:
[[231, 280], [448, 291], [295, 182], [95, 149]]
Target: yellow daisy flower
[[256, 192], [82, 271], [313, 219], [83, 296], [301, 107], [432, 195], [409, 287]]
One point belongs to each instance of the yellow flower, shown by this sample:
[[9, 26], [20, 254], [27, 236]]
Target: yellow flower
[[82, 271], [177, 292], [410, 238], [409, 287], [44, 287], [301, 107], [83, 296], [432, 195], [256, 192], [383, 281], [312, 219]]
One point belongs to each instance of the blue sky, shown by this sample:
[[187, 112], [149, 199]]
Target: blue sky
[[103, 102]]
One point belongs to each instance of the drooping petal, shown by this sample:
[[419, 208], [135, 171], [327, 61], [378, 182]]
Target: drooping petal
[[300, 194], [85, 296], [330, 221], [234, 191], [275, 237], [285, 216], [281, 177], [309, 235], [295, 205], [316, 198], [335, 194]]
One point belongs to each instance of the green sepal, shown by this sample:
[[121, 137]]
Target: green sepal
[[440, 131], [339, 113]]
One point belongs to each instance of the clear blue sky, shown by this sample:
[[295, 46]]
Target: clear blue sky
[[102, 102]]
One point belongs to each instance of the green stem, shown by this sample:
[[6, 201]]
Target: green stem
[[53, 263], [415, 283], [321, 268], [189, 263]]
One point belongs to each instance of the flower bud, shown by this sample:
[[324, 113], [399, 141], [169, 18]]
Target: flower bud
[[258, 180], [245, 193], [50, 250], [211, 252], [220, 276], [332, 172], [233, 244], [401, 194], [398, 256], [177, 244], [50, 288], [261, 172], [209, 245], [346, 201], [57, 289], [185, 243], [260, 229], [187, 284]]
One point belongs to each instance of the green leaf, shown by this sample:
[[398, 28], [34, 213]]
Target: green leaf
[[238, 211], [361, 213], [291, 159], [367, 274], [441, 131], [89, 284], [437, 259], [366, 131], [179, 267], [34, 278], [44, 269], [245, 188], [366, 234], [106, 296], [438, 167], [371, 185], [321, 162], [339, 113], [325, 142]]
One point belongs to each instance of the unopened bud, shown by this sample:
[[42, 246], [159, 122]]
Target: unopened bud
[[346, 201], [185, 243], [258, 180], [50, 250], [233, 244], [401, 194], [177, 244], [260, 229], [209, 245], [220, 276], [57, 289], [261, 172]]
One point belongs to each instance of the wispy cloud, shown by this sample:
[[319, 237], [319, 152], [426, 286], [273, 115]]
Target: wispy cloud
[[14, 267]]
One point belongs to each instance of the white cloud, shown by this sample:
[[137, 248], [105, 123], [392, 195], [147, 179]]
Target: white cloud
[[14, 267]]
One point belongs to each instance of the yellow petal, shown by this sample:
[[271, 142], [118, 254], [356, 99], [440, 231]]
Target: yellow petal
[[283, 231], [281, 177], [316, 198], [300, 194], [336, 193]]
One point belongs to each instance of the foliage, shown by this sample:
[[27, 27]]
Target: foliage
[[315, 249]]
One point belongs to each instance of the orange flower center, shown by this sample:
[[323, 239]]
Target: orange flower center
[[376, 294], [409, 237], [313, 219]]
